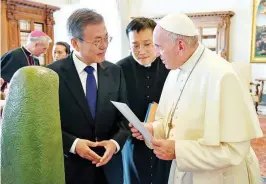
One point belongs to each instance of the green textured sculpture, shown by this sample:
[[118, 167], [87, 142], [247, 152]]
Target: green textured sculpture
[[31, 138]]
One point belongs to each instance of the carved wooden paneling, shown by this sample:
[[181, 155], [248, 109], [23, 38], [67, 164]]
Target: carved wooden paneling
[[26, 10], [13, 34]]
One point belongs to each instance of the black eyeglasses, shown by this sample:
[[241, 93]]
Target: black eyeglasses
[[98, 43]]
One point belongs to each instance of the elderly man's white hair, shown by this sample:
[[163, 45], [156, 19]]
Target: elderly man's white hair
[[180, 26], [39, 39]]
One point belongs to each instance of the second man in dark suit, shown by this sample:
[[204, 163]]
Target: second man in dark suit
[[145, 75], [93, 131]]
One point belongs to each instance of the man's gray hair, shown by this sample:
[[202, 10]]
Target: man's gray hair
[[190, 40], [39, 39], [79, 19]]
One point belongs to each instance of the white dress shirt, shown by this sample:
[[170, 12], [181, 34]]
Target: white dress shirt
[[80, 66]]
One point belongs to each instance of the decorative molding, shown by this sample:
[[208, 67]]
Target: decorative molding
[[200, 15], [17, 7], [31, 4], [212, 14], [49, 17], [11, 8]]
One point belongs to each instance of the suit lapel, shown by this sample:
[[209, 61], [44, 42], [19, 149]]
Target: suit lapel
[[73, 82], [23, 57], [103, 87]]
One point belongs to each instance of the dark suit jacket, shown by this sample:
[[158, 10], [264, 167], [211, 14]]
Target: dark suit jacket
[[12, 61], [77, 121]]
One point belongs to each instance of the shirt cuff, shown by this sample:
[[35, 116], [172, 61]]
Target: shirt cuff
[[73, 147], [117, 145]]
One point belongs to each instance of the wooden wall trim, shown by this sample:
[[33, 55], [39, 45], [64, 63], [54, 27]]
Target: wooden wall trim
[[200, 14], [23, 8], [31, 4]]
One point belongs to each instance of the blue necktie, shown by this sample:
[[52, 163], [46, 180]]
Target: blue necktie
[[91, 90]]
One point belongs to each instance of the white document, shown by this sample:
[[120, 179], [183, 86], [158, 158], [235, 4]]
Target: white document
[[132, 118]]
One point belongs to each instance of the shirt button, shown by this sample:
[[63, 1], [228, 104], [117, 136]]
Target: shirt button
[[151, 158], [148, 96], [148, 86], [147, 77]]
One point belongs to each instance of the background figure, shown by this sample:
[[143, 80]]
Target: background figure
[[145, 75], [4, 88], [94, 132], [37, 44], [3, 93], [61, 50], [206, 118]]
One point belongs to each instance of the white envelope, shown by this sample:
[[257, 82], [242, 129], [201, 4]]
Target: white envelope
[[132, 118]]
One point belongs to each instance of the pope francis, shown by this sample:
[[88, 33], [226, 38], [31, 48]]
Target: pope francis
[[205, 118]]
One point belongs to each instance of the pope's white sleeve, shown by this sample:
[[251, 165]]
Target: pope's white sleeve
[[158, 132], [191, 156]]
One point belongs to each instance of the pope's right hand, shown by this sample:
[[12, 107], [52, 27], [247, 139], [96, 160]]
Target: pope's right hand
[[137, 134], [84, 151]]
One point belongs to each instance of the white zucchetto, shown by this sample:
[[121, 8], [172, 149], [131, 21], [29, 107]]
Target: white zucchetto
[[178, 23]]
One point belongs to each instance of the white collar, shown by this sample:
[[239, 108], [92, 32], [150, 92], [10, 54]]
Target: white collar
[[80, 66], [189, 64], [147, 65]]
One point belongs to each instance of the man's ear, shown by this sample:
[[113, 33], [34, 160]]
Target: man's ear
[[75, 43], [181, 45], [36, 44]]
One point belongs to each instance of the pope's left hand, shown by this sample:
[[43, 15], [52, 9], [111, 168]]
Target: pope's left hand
[[164, 149], [110, 149]]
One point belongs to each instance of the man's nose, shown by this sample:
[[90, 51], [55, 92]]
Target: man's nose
[[142, 51], [103, 45]]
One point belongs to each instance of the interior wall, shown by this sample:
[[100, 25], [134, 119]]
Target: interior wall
[[241, 22]]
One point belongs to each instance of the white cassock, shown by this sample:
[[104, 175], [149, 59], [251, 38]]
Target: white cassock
[[213, 123]]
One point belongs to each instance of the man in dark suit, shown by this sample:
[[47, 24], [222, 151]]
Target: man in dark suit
[[94, 132], [145, 75], [37, 44]]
